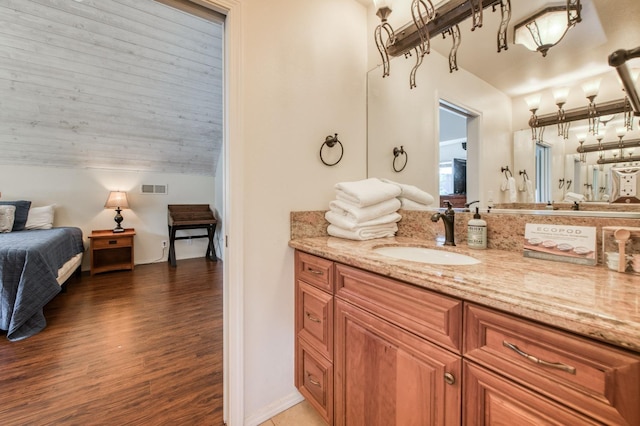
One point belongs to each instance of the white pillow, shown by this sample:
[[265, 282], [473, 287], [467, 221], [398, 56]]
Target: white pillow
[[7, 215], [40, 218]]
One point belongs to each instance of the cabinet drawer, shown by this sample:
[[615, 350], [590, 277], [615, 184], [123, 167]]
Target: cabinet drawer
[[590, 377], [489, 399], [432, 316], [314, 318], [314, 270], [314, 379], [102, 243]]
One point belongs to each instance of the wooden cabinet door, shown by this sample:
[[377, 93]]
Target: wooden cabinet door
[[385, 376], [491, 400]]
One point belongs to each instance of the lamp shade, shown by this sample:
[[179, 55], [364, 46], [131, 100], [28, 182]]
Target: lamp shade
[[117, 199]]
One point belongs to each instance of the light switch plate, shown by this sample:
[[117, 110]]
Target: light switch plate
[[625, 184]]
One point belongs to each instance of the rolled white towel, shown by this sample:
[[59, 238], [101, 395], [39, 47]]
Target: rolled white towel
[[412, 193], [366, 192], [367, 233], [572, 196], [346, 223], [408, 204], [512, 189], [530, 192], [363, 214]]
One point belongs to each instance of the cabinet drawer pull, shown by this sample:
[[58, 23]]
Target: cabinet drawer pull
[[311, 317], [312, 380], [113, 241], [556, 365], [313, 271], [449, 378]]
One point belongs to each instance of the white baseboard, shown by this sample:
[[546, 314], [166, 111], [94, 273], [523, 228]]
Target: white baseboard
[[273, 409]]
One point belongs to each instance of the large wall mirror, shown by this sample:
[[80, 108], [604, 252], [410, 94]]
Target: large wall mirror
[[491, 96]]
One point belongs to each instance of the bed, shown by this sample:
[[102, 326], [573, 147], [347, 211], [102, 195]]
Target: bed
[[34, 264]]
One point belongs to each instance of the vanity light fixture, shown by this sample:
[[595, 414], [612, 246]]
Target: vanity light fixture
[[383, 10], [581, 140], [618, 147], [533, 103], [413, 39], [560, 95], [618, 60], [591, 89], [422, 12], [620, 132], [546, 28]]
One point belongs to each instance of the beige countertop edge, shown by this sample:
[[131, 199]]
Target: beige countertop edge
[[588, 300]]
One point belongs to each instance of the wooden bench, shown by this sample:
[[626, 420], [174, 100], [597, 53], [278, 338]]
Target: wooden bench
[[191, 216]]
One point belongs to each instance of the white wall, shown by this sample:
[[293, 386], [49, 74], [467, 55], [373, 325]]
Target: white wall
[[80, 194], [304, 78]]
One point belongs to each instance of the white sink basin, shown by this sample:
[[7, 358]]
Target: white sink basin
[[426, 255]]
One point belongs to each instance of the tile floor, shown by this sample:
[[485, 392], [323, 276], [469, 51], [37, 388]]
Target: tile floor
[[301, 414]]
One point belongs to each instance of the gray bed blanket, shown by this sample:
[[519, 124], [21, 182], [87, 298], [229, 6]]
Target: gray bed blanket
[[29, 263]]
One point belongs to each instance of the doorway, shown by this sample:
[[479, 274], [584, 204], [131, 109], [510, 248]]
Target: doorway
[[454, 147]]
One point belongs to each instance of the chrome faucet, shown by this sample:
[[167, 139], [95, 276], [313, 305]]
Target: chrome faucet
[[448, 217]]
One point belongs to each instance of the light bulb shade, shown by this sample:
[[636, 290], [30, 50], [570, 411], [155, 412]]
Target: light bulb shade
[[383, 3], [117, 199], [561, 94], [621, 131], [533, 101], [543, 30], [591, 88], [383, 8]]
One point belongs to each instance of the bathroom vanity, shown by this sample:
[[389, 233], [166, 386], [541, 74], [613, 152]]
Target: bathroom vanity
[[511, 340]]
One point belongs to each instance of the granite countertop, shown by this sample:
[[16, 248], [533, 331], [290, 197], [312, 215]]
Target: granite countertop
[[589, 300]]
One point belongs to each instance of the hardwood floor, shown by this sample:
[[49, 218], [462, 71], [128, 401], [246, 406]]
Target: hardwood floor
[[140, 347]]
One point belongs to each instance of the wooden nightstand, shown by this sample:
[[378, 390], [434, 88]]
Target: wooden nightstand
[[111, 252]]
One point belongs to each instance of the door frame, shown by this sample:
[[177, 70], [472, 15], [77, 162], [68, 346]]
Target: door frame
[[233, 218]]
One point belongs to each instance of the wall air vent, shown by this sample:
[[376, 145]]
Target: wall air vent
[[153, 189]]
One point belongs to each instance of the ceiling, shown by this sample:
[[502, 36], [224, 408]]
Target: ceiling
[[606, 26]]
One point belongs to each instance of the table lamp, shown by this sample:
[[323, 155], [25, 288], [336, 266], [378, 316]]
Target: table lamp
[[117, 200]]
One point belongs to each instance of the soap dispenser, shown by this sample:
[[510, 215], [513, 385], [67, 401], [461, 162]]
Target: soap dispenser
[[477, 232]]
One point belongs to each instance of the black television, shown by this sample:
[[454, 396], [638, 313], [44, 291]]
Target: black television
[[459, 176]]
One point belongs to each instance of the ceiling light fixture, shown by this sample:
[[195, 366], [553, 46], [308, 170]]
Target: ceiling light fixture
[[546, 28]]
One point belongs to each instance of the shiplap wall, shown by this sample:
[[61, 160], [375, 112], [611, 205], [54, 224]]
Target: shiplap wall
[[112, 84]]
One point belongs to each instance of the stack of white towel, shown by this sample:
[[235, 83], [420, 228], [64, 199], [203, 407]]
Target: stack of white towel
[[364, 210], [368, 208], [411, 197]]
